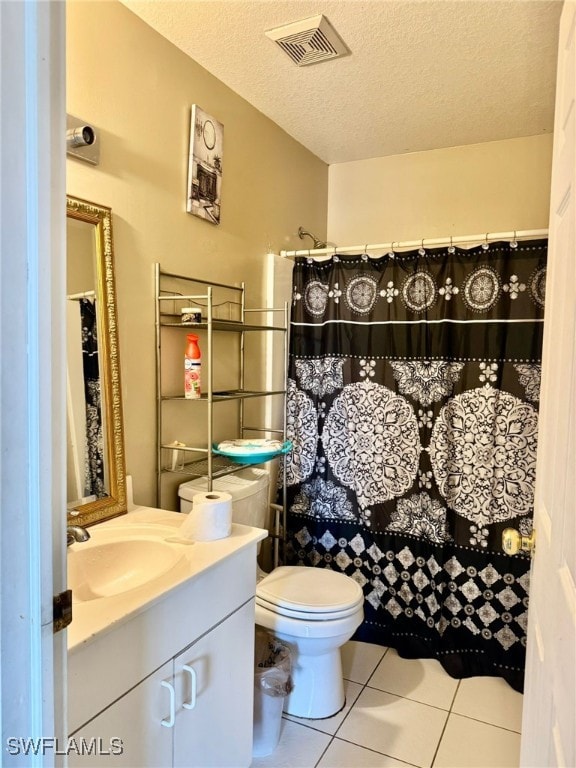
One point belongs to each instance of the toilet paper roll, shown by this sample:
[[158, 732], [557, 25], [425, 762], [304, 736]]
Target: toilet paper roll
[[210, 517]]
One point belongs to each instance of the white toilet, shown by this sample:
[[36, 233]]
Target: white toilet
[[314, 610]]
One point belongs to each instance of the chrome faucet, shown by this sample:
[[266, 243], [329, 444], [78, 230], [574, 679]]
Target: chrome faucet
[[76, 533]]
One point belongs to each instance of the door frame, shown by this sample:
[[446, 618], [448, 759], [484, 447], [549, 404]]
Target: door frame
[[32, 415]]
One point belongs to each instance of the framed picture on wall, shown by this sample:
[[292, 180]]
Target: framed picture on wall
[[205, 166]]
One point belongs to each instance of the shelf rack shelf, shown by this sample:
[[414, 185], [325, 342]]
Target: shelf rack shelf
[[229, 395], [222, 325]]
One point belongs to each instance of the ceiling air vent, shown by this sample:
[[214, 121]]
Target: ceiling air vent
[[309, 41]]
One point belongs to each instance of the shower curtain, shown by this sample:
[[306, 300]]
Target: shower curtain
[[413, 409], [94, 461]]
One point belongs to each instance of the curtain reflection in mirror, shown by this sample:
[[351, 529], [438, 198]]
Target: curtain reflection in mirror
[[94, 463], [86, 473]]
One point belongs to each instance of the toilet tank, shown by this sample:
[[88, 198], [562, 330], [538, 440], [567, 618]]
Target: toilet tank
[[249, 491]]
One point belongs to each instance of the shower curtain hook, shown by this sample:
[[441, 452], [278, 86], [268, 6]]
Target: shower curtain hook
[[391, 253], [451, 248], [422, 250], [485, 244], [514, 243]]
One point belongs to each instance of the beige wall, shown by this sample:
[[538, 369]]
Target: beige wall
[[137, 90], [493, 187]]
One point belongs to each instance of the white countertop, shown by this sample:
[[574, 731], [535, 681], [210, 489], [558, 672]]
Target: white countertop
[[92, 618]]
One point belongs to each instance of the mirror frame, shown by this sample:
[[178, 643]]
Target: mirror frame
[[109, 365]]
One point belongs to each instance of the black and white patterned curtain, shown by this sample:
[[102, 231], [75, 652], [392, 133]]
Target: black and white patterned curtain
[[413, 408], [94, 460]]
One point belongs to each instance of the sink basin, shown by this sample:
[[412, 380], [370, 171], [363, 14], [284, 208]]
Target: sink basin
[[118, 560]]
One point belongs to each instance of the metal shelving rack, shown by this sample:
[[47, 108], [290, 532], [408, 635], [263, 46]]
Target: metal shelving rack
[[202, 461]]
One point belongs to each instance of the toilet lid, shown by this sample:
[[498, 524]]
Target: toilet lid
[[312, 593]]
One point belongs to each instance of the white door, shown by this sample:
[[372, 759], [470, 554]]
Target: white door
[[549, 727], [214, 681], [135, 732]]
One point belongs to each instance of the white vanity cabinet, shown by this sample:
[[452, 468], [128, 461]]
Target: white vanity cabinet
[[193, 712], [173, 680]]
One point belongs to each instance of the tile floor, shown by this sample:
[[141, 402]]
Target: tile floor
[[403, 713]]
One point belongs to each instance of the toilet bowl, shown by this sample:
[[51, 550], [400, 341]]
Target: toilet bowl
[[315, 611]]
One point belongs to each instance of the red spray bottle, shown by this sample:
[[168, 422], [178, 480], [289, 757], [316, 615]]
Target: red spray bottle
[[192, 368]]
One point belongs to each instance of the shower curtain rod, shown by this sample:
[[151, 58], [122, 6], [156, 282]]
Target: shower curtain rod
[[526, 234], [82, 295]]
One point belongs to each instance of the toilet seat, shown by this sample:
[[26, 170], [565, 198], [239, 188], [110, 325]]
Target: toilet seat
[[311, 594]]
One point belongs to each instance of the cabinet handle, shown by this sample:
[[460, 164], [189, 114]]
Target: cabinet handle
[[192, 703], [170, 722]]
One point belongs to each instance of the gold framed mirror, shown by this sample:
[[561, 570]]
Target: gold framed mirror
[[96, 474]]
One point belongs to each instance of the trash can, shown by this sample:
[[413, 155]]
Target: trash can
[[272, 682]]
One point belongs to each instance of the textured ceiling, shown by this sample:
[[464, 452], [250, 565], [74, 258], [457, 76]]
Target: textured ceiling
[[422, 74]]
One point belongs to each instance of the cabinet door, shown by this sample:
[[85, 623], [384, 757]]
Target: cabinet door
[[214, 682], [131, 727]]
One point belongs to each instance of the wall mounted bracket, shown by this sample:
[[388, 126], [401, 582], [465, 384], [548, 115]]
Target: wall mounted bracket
[[82, 140]]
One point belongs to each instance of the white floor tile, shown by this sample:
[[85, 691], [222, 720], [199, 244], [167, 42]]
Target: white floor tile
[[400, 728], [342, 754], [422, 680], [299, 747], [470, 744], [331, 724], [491, 700], [359, 660]]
